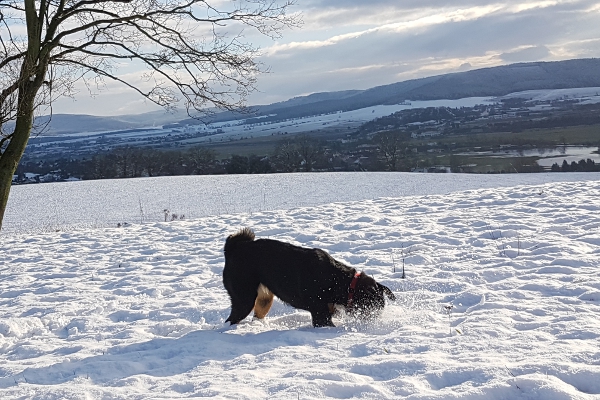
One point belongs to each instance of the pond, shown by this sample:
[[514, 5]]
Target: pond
[[547, 156], [568, 153]]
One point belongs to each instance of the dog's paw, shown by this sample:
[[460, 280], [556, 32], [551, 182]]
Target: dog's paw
[[259, 321]]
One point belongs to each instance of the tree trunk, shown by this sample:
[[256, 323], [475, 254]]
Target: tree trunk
[[9, 160], [31, 78]]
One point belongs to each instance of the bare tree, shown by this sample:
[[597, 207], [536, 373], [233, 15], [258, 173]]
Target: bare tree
[[200, 159], [103, 167], [309, 150], [286, 156], [123, 161], [150, 161], [390, 145], [191, 53]]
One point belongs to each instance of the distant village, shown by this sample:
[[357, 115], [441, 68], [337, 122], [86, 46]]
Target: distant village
[[512, 115]]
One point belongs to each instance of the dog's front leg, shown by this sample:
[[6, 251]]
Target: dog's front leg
[[241, 305], [321, 315]]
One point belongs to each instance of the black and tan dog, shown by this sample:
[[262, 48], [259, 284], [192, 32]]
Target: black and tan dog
[[308, 279]]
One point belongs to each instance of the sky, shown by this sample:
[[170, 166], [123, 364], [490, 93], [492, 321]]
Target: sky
[[355, 44]]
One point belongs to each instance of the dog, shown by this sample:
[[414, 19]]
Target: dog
[[308, 279]]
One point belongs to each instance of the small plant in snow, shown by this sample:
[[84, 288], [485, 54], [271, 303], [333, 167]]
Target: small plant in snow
[[448, 309], [513, 375], [141, 211], [175, 217], [172, 216], [501, 247], [404, 253]]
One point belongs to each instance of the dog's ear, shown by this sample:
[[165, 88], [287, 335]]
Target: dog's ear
[[387, 291]]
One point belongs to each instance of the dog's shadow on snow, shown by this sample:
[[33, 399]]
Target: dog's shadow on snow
[[162, 357]]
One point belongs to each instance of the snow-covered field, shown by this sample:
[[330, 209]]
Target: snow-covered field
[[501, 298], [586, 95], [106, 203]]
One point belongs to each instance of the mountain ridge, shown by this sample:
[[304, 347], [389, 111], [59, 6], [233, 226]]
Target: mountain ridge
[[483, 82]]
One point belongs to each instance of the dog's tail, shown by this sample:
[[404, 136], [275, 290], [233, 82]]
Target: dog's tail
[[244, 235]]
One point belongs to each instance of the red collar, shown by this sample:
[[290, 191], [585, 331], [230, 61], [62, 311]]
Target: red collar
[[351, 289]]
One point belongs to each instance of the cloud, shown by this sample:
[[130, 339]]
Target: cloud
[[443, 41], [588, 48], [461, 32], [532, 53], [353, 44], [409, 25]]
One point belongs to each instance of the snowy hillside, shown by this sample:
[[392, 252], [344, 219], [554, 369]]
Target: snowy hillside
[[105, 203], [587, 95], [501, 298]]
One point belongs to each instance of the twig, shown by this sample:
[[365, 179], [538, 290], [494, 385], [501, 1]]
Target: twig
[[513, 375], [448, 309], [403, 274], [404, 254], [141, 211]]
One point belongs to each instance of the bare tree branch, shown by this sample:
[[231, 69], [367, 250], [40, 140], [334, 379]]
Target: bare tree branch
[[191, 52]]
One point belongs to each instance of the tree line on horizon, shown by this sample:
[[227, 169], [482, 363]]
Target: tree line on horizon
[[298, 154], [384, 151], [587, 165]]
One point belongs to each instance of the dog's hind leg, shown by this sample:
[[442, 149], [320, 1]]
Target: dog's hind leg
[[242, 303], [263, 303]]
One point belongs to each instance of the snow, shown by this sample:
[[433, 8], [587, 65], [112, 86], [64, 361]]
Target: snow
[[501, 298], [585, 95], [104, 203]]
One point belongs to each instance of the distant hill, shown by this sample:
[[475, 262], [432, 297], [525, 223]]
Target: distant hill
[[74, 123], [494, 81]]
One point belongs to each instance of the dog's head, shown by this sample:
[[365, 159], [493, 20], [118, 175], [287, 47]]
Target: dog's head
[[369, 298]]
